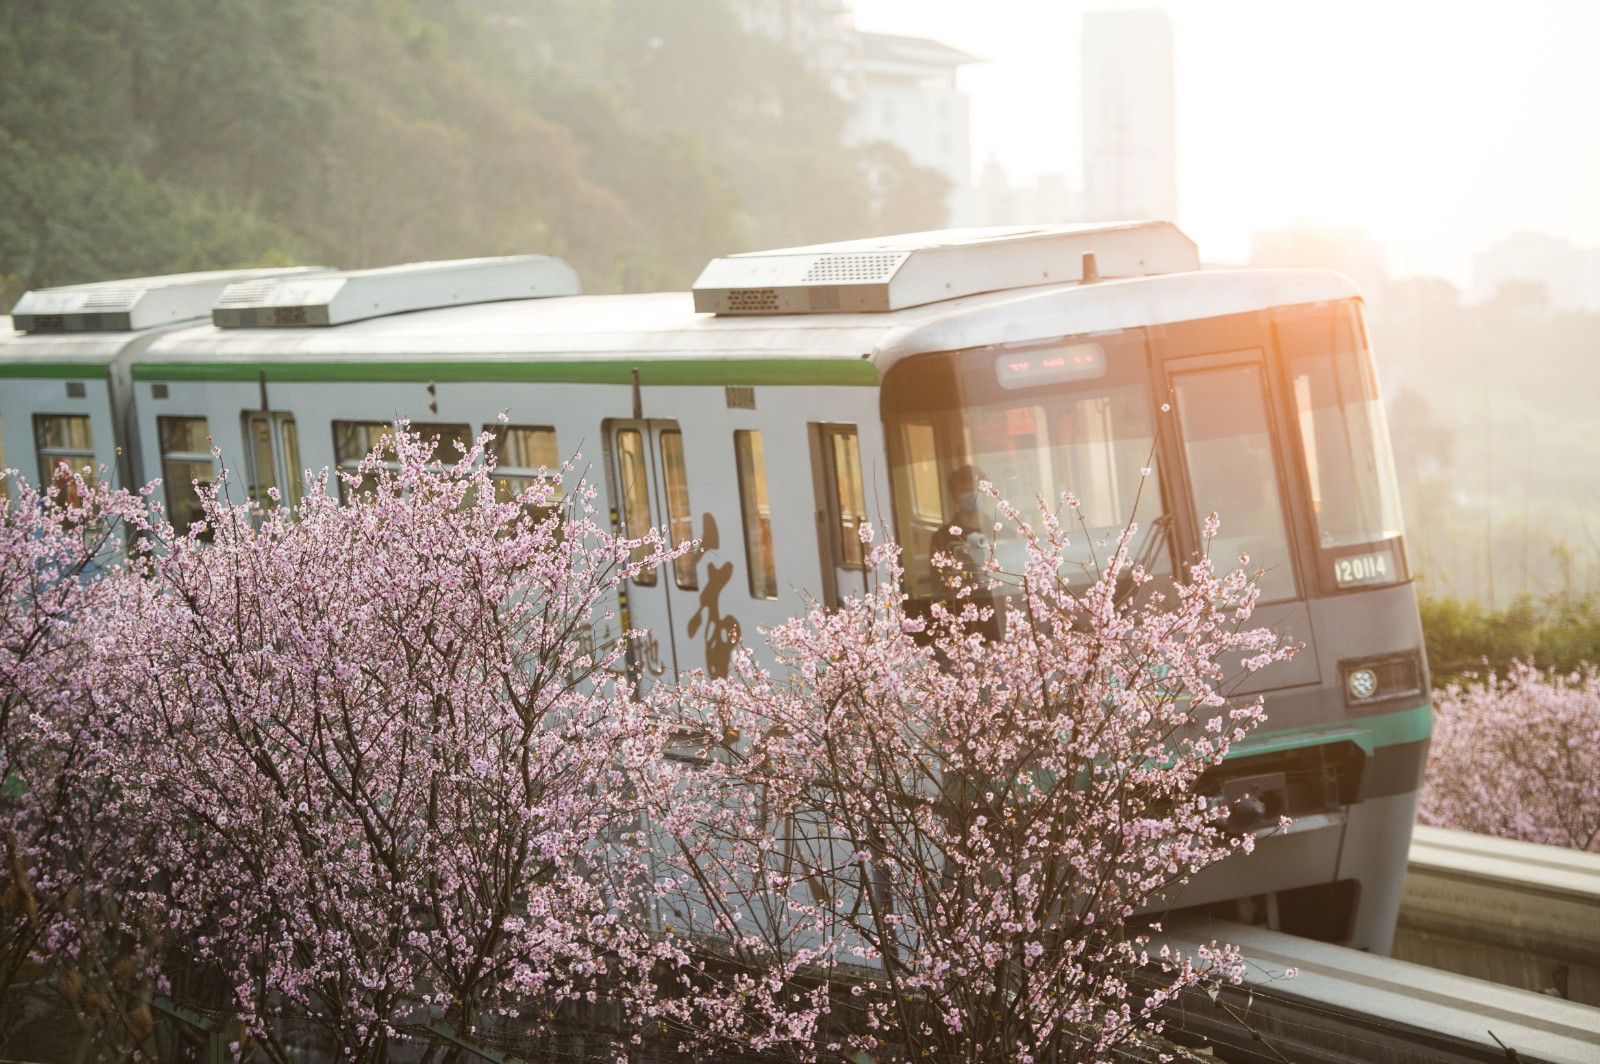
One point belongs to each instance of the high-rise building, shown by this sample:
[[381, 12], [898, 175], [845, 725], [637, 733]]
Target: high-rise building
[[1130, 153]]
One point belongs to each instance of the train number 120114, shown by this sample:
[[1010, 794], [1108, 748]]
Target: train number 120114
[[1374, 568]]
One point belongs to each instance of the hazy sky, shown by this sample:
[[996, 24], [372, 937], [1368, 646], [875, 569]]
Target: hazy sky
[[1435, 126]]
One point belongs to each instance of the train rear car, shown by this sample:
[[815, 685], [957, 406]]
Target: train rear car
[[64, 364]]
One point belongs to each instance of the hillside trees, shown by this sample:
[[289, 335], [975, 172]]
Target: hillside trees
[[636, 139]]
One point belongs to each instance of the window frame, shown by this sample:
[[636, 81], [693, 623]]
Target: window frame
[[180, 489], [50, 456]]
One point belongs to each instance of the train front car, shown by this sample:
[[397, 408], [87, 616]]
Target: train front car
[[1250, 394]]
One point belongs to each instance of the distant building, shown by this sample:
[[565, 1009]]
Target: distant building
[[909, 97], [902, 90], [1050, 198], [1569, 276], [1130, 153]]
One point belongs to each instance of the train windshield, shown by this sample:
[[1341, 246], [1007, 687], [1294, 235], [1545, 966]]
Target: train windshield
[[1344, 446], [1038, 423]]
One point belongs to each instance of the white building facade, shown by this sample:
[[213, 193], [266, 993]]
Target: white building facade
[[909, 97], [902, 90]]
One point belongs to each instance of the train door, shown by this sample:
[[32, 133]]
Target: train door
[[1230, 446], [841, 509], [650, 489], [272, 450]]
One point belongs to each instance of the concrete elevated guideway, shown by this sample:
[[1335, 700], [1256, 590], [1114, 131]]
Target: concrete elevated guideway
[[1496, 958], [1510, 912], [1346, 1006]]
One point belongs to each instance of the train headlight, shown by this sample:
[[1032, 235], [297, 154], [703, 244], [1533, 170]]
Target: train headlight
[[1362, 684], [1383, 679]]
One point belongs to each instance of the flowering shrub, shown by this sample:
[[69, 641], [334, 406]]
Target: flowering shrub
[[1519, 756], [365, 768], [62, 554], [920, 843], [356, 764]]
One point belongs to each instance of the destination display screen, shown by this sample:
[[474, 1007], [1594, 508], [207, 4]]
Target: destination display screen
[[1027, 368]]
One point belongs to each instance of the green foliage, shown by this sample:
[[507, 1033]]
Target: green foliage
[[1464, 638], [637, 138]]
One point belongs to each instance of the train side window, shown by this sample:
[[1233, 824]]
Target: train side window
[[844, 453], [1227, 441], [450, 440], [274, 453], [523, 455], [65, 445], [353, 441], [680, 521], [635, 490], [186, 465], [5, 484], [750, 458]]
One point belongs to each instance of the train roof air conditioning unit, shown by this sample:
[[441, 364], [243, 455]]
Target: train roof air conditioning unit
[[354, 295], [136, 303], [894, 272]]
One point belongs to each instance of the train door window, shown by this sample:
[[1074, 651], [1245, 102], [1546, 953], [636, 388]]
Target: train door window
[[186, 466], [750, 459], [680, 522], [294, 470], [1227, 443], [523, 456], [849, 497], [274, 453], [634, 488], [5, 482], [841, 509], [65, 445]]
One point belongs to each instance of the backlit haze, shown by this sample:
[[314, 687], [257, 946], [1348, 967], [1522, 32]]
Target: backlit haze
[[1434, 127]]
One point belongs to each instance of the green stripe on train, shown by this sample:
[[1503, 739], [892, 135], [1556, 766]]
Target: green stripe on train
[[1369, 733], [734, 371], [54, 370]]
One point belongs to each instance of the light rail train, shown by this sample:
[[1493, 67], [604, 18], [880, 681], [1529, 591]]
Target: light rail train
[[799, 393]]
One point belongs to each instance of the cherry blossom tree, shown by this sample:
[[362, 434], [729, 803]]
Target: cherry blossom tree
[[352, 768], [384, 752], [376, 771], [1518, 756], [918, 842]]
